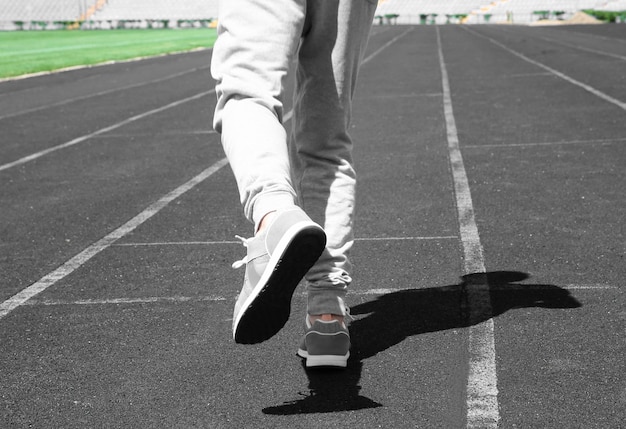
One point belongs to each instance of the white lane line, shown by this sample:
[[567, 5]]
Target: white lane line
[[178, 243], [117, 301], [77, 261], [569, 45], [482, 390], [104, 63], [161, 134], [563, 76], [385, 46], [100, 93], [81, 139], [218, 242], [397, 97], [367, 292], [84, 46], [173, 299], [593, 51], [597, 286], [529, 74], [598, 141]]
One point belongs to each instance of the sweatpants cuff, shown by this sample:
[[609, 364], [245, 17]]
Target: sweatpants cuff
[[269, 202], [327, 300]]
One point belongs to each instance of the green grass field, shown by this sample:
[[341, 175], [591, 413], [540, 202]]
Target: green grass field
[[23, 52]]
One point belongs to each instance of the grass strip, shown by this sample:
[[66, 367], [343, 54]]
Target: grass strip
[[24, 52]]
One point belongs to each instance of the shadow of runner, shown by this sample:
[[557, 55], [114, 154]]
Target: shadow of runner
[[393, 317], [330, 390]]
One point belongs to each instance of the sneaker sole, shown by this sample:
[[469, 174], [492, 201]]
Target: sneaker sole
[[268, 307], [324, 361]]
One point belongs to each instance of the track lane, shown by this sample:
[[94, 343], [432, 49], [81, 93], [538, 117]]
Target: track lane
[[542, 158], [58, 205], [48, 90], [594, 65]]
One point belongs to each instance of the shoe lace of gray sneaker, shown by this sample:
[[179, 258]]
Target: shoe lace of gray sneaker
[[240, 263], [347, 314], [346, 311]]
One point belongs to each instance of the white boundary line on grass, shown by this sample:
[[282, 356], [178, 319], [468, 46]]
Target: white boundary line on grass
[[557, 73], [85, 137], [482, 390], [104, 63], [80, 259]]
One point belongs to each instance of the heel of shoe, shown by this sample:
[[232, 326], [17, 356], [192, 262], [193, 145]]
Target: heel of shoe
[[335, 361]]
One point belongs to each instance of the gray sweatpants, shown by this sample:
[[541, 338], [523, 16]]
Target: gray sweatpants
[[258, 42]]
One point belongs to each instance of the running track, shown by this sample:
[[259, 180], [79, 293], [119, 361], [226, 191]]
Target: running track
[[489, 257]]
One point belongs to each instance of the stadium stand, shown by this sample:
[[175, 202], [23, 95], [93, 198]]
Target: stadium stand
[[46, 14], [188, 11], [30, 12], [614, 5], [529, 11], [425, 11], [40, 14], [485, 11]]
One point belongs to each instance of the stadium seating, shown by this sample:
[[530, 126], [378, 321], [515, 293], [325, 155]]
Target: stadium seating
[[145, 13], [157, 10], [426, 11], [527, 11], [485, 11], [32, 11], [104, 13]]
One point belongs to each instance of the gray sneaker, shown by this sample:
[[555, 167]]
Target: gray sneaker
[[277, 259], [325, 344]]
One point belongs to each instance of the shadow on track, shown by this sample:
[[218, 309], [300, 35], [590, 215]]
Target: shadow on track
[[393, 317]]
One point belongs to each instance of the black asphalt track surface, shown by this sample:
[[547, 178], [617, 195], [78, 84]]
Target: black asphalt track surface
[[116, 294]]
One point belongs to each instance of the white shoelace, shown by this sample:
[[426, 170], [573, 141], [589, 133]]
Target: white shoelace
[[347, 314], [240, 263]]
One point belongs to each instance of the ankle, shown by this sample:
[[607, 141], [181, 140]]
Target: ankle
[[266, 221], [325, 317]]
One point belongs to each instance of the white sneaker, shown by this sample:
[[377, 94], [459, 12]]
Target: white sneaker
[[277, 259]]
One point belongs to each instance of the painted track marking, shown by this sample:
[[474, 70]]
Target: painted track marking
[[482, 391], [366, 292], [570, 142], [580, 48], [117, 125], [166, 133], [77, 261], [100, 93], [557, 73], [385, 46], [577, 47], [210, 243]]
